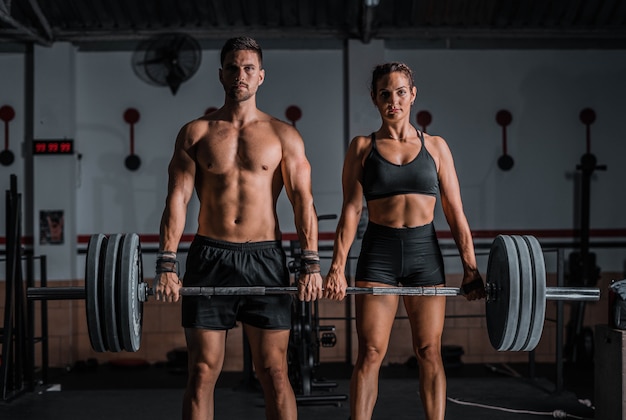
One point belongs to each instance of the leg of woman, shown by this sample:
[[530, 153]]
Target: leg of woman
[[269, 355], [426, 315], [374, 319], [206, 358]]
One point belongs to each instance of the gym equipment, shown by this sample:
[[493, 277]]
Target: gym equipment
[[504, 118], [7, 113], [583, 269], [132, 161], [115, 291]]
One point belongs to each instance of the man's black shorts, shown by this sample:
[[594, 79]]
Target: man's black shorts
[[401, 256], [217, 263]]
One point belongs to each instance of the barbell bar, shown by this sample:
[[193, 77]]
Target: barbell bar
[[552, 293], [115, 292], [78, 293]]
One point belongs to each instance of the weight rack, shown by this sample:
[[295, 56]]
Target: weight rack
[[17, 335]]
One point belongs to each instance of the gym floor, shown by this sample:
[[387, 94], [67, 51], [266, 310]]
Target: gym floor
[[485, 392]]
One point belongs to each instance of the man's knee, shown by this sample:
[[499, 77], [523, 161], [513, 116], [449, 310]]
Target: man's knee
[[277, 378], [202, 375]]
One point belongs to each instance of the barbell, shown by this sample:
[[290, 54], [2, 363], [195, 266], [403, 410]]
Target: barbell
[[115, 292]]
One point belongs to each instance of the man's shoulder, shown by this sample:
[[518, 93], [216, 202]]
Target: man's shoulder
[[273, 121], [197, 126], [193, 131], [283, 129]]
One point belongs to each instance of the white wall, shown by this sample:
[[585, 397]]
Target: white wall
[[54, 178], [463, 89]]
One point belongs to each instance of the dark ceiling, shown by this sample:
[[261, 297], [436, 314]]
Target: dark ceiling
[[597, 24]]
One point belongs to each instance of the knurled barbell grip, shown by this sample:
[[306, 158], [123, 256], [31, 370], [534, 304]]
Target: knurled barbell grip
[[228, 291], [262, 290]]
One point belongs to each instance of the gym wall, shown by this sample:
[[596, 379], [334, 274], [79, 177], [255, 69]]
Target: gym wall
[[462, 89]]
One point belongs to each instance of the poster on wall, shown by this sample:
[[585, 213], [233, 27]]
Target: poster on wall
[[51, 227]]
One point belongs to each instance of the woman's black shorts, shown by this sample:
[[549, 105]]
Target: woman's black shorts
[[217, 263], [401, 256]]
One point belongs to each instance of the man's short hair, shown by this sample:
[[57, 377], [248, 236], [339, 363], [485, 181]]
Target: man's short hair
[[241, 43]]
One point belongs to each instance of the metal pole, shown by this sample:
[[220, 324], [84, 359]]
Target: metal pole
[[560, 280], [45, 344], [30, 327]]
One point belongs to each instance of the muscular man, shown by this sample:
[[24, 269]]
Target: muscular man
[[238, 159]]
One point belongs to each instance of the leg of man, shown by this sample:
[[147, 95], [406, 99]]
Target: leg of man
[[426, 315], [206, 350], [374, 319], [269, 355]]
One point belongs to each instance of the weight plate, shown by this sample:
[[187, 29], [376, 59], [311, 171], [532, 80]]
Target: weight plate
[[539, 303], [93, 290], [527, 294], [128, 306], [109, 284], [502, 307]]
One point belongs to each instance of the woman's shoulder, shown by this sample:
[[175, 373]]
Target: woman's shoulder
[[361, 144], [362, 140], [435, 142]]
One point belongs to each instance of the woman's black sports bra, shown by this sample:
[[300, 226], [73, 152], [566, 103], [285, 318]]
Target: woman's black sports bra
[[382, 178]]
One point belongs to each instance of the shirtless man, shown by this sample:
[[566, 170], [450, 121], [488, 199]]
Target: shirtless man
[[238, 159]]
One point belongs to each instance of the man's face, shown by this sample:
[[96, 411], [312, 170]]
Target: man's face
[[241, 75]]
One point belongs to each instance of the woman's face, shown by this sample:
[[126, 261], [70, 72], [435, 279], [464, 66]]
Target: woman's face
[[394, 96]]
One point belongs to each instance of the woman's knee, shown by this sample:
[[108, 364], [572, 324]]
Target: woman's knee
[[428, 354], [372, 355]]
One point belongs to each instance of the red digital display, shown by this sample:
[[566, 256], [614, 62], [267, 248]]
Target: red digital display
[[53, 147]]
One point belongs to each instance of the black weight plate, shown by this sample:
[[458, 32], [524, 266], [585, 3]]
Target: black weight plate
[[129, 307], [93, 290], [527, 294], [502, 307], [109, 284], [539, 304]]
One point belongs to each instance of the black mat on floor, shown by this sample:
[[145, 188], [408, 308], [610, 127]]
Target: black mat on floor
[[482, 398], [133, 391]]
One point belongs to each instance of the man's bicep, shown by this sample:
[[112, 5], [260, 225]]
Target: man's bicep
[[297, 177], [181, 172]]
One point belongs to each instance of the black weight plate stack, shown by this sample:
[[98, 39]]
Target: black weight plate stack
[[539, 309], [94, 267], [502, 307], [109, 286], [129, 307], [527, 294]]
